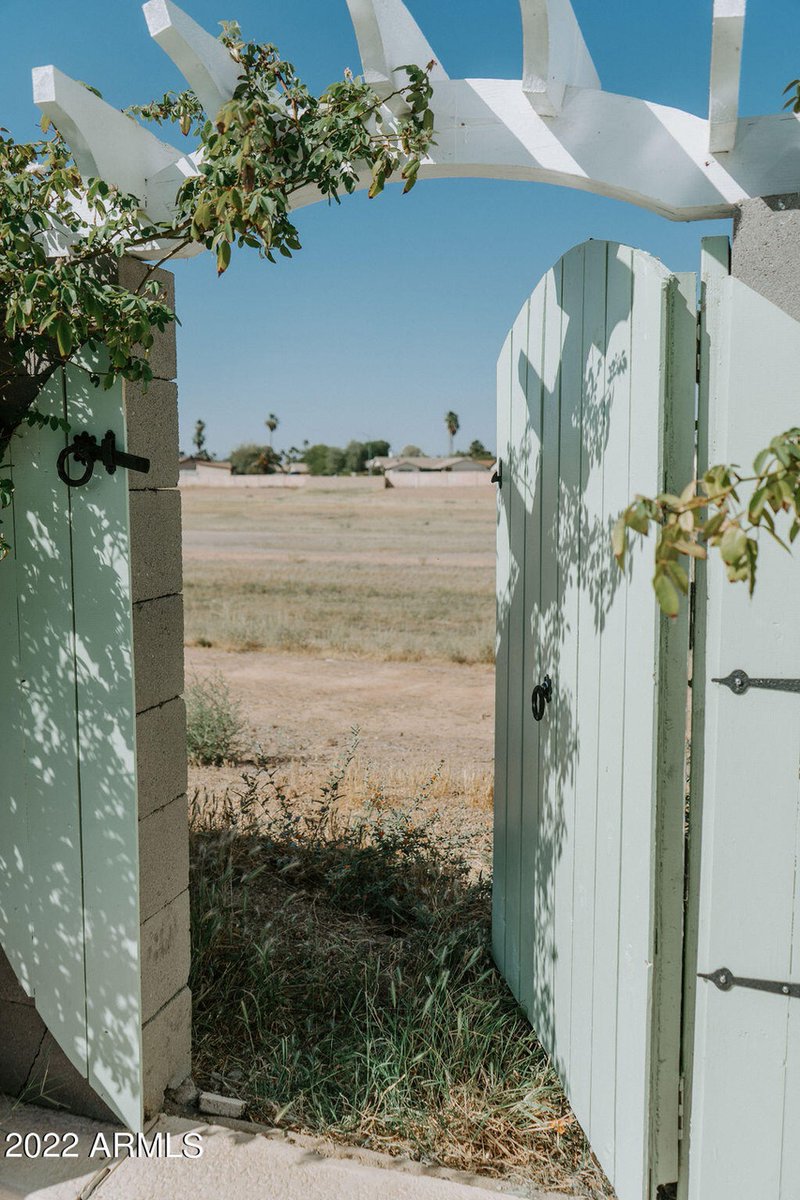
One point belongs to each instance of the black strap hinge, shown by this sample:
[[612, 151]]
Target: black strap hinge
[[724, 979]]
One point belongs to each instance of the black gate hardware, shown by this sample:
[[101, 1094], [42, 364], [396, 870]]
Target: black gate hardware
[[542, 695], [497, 475], [739, 682], [84, 449], [725, 980]]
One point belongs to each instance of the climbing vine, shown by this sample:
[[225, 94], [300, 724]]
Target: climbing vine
[[61, 236]]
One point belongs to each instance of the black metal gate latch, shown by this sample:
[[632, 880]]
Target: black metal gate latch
[[542, 695], [739, 682], [725, 980], [84, 449]]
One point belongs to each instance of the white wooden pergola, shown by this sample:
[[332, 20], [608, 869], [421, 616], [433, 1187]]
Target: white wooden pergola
[[556, 124]]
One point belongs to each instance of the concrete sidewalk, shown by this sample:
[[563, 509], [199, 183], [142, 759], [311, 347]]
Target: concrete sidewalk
[[234, 1162]]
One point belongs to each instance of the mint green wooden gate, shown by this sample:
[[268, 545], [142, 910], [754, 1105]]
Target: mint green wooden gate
[[743, 1096], [69, 883], [595, 402]]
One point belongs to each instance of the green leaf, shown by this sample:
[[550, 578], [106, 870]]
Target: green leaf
[[666, 594], [733, 544], [63, 332], [619, 539], [223, 257]]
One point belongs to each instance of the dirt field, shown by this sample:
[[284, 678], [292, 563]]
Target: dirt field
[[325, 611], [368, 573]]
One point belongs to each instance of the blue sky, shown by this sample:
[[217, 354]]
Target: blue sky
[[396, 308]]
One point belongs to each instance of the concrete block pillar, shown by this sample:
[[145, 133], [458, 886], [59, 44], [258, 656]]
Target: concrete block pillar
[[766, 250], [32, 1065]]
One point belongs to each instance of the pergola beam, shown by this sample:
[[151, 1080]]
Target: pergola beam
[[727, 34], [555, 125], [388, 37], [108, 144], [555, 55], [202, 60]]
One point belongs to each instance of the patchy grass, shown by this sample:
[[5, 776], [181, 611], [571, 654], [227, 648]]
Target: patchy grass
[[378, 574], [343, 985]]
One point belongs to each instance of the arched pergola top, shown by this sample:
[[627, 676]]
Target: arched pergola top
[[555, 124]]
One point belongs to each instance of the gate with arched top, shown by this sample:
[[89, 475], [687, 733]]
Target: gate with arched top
[[594, 928]]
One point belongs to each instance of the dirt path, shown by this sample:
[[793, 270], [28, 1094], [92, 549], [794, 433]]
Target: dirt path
[[411, 716]]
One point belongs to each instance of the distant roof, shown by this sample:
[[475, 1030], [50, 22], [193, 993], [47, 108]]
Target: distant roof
[[424, 463]]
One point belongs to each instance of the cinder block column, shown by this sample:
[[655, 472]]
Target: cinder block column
[[156, 581], [766, 249], [32, 1066]]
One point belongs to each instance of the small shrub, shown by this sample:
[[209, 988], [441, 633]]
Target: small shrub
[[214, 722]]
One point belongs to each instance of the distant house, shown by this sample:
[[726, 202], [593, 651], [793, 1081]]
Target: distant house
[[423, 463], [204, 465], [421, 471]]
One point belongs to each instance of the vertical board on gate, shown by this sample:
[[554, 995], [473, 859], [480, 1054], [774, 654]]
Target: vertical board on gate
[[595, 403], [744, 1045]]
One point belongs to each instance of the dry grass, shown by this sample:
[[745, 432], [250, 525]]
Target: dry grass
[[382, 574], [343, 984]]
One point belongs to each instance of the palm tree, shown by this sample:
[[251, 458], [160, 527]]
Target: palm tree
[[272, 424], [452, 423], [199, 440]]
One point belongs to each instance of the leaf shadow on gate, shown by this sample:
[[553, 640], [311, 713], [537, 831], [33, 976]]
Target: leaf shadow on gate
[[556, 491], [69, 900]]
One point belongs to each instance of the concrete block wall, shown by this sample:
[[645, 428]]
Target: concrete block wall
[[156, 582], [32, 1065], [765, 253]]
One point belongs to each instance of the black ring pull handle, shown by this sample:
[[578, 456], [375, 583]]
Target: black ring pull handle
[[540, 697], [84, 449]]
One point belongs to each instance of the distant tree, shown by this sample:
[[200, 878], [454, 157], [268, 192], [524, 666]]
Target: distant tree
[[478, 450], [199, 441], [377, 449], [411, 452], [272, 424], [316, 458], [355, 457], [270, 461], [337, 461], [325, 460], [247, 459], [452, 425]]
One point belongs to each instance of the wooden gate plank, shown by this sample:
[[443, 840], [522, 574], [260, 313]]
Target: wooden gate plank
[[529, 368], [745, 1092], [107, 740], [592, 359], [547, 631], [641, 769], [504, 587], [566, 681], [47, 659], [15, 865], [518, 504], [608, 434]]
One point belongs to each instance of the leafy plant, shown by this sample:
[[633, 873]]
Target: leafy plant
[[214, 722], [61, 236], [711, 513]]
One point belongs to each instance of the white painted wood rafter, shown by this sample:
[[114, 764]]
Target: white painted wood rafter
[[597, 141], [554, 55], [727, 36]]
